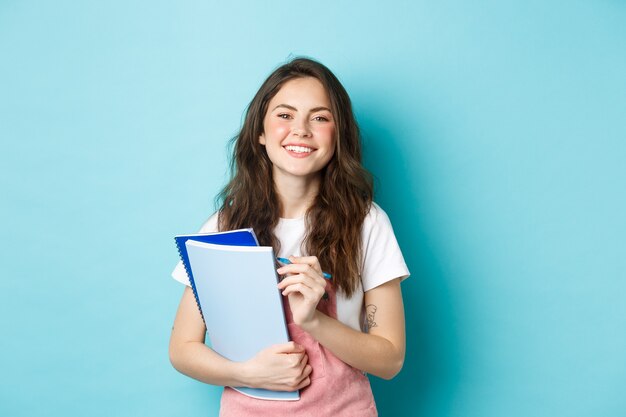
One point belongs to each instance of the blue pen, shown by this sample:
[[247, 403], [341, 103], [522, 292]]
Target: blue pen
[[287, 262]]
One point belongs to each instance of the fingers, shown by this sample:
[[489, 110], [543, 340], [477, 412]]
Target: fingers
[[302, 279], [304, 374], [307, 370], [280, 367], [296, 359], [311, 281], [310, 292], [312, 261], [298, 370], [308, 268], [302, 361], [302, 264], [304, 275], [306, 378]]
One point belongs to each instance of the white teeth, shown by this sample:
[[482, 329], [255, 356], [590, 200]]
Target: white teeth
[[298, 149]]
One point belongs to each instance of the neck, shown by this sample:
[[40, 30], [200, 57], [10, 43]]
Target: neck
[[296, 194]]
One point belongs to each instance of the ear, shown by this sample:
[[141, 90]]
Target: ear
[[262, 138]]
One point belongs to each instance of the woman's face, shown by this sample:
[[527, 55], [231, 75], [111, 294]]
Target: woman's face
[[299, 129]]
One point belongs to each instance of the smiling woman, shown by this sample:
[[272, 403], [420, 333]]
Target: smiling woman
[[299, 132], [298, 181]]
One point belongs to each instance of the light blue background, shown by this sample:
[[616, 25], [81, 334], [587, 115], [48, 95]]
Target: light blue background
[[496, 130]]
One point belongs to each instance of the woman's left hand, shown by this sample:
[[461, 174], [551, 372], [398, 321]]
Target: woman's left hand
[[304, 286]]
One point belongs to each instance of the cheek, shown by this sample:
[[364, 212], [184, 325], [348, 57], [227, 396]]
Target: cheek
[[276, 129], [327, 133]]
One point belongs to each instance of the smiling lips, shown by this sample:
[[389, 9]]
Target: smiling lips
[[299, 150]]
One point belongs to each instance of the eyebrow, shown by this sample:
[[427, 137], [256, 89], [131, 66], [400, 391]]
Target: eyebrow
[[313, 110]]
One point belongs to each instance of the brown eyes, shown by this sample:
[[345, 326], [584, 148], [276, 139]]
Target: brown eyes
[[287, 116]]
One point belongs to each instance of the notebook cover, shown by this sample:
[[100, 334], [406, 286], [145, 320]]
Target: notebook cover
[[239, 237], [242, 307]]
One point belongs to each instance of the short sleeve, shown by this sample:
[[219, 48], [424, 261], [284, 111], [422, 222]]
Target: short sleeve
[[179, 273], [382, 257]]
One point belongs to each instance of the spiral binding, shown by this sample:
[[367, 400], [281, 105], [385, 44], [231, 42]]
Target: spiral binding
[[193, 284]]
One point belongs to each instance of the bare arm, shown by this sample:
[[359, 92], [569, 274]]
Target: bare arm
[[281, 367], [379, 352]]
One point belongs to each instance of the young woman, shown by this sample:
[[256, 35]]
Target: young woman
[[298, 181]]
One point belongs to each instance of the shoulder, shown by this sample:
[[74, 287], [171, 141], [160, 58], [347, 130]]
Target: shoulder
[[382, 257], [211, 224], [376, 217]]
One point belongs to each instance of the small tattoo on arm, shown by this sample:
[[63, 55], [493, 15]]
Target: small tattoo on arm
[[370, 311]]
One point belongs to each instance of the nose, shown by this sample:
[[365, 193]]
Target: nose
[[301, 128]]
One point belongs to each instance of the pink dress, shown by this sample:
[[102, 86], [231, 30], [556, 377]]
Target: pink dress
[[336, 389]]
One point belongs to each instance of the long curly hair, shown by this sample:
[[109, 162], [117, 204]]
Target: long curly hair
[[334, 220]]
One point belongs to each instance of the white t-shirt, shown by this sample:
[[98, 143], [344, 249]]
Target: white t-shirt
[[382, 260]]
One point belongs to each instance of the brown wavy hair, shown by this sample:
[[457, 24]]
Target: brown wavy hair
[[334, 220]]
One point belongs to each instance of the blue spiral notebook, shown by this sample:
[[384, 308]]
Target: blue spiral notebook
[[239, 237], [234, 282]]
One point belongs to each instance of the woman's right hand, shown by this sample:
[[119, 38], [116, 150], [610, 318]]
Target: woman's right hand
[[282, 367]]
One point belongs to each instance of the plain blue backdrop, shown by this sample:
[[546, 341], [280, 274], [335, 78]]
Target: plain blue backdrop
[[496, 131]]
